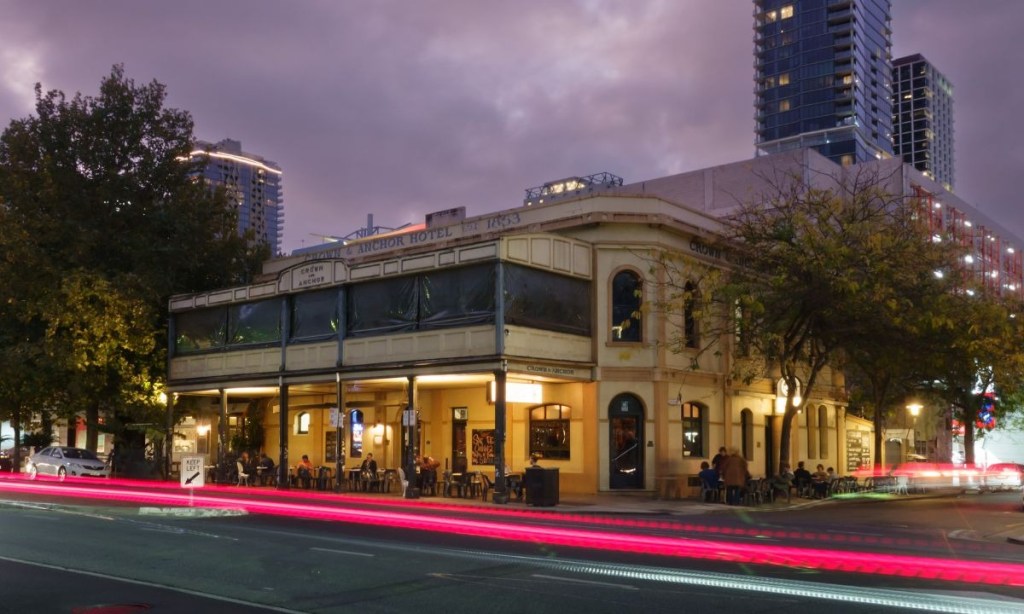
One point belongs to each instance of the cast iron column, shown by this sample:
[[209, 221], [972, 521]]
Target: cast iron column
[[282, 463], [500, 490], [411, 430]]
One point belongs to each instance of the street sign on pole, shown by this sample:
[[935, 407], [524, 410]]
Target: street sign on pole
[[335, 418], [193, 471]]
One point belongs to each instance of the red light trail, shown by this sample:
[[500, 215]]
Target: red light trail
[[907, 566]]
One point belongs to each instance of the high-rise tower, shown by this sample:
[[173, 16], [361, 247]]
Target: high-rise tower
[[823, 77], [922, 118], [252, 183]]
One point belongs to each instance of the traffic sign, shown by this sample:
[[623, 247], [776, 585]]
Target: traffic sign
[[193, 471]]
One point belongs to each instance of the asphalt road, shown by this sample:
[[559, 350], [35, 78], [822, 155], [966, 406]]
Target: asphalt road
[[57, 555]]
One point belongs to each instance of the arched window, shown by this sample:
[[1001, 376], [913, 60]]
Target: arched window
[[823, 431], [302, 423], [626, 300], [694, 417], [549, 430], [690, 303], [812, 435], [747, 433]]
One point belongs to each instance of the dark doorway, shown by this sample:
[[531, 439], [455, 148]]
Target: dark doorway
[[459, 461], [769, 448], [625, 442]]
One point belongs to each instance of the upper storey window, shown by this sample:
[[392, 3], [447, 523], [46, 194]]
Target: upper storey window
[[626, 299]]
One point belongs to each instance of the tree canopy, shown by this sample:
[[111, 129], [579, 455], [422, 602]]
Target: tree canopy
[[835, 275], [102, 219]]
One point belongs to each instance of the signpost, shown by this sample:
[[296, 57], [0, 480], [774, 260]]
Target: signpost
[[193, 474]]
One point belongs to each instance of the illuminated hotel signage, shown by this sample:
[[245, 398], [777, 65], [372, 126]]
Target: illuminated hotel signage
[[516, 392]]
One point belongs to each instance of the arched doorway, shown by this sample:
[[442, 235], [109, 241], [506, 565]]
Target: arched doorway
[[625, 437]]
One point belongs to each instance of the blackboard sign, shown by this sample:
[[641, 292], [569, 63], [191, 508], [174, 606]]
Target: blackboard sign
[[858, 450], [483, 447]]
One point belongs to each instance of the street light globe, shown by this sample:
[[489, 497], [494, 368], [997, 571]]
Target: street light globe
[[915, 409]]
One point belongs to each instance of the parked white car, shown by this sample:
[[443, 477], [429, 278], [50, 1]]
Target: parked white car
[[62, 461]]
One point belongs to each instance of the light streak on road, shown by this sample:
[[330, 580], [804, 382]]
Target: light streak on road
[[520, 513], [928, 568]]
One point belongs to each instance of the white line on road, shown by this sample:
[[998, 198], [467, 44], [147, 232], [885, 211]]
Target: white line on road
[[353, 553], [174, 589], [591, 582]]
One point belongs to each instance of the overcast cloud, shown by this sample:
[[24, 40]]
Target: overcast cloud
[[400, 108]]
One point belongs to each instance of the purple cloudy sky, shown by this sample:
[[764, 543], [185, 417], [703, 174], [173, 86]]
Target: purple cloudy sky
[[400, 108]]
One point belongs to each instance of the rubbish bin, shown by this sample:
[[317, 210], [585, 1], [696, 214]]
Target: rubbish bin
[[541, 485]]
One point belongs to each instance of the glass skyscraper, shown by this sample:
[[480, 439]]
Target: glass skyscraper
[[823, 70], [922, 118], [252, 183]]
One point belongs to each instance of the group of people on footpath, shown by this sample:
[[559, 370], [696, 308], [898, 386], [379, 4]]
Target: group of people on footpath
[[730, 470], [261, 470]]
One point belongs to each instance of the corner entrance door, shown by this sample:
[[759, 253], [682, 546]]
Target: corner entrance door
[[626, 453]]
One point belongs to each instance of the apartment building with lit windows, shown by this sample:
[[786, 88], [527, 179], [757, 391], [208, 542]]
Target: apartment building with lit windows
[[922, 118], [822, 78], [253, 186]]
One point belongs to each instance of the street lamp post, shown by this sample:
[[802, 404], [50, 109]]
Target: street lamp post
[[915, 410]]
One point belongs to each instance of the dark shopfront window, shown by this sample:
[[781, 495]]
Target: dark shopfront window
[[549, 431], [314, 315], [253, 323], [545, 300], [241, 324], [440, 299], [202, 329]]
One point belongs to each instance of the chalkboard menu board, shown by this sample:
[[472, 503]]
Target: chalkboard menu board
[[858, 450], [483, 447]]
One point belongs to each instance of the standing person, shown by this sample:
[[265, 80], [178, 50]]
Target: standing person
[[734, 474], [716, 462]]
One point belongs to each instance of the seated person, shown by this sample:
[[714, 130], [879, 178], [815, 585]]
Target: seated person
[[820, 481], [802, 479], [709, 479], [266, 469], [248, 469], [304, 472], [368, 470], [782, 481]]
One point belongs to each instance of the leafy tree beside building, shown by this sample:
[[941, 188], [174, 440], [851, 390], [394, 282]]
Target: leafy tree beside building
[[101, 221]]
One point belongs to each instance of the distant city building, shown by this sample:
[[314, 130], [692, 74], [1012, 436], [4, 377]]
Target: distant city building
[[822, 78], [922, 118], [253, 184]]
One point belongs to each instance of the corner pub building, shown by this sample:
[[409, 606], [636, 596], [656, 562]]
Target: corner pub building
[[416, 335]]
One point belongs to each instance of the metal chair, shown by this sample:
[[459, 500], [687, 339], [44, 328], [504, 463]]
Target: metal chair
[[243, 477]]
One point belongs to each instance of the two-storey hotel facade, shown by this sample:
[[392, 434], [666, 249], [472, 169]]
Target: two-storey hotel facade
[[483, 340]]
